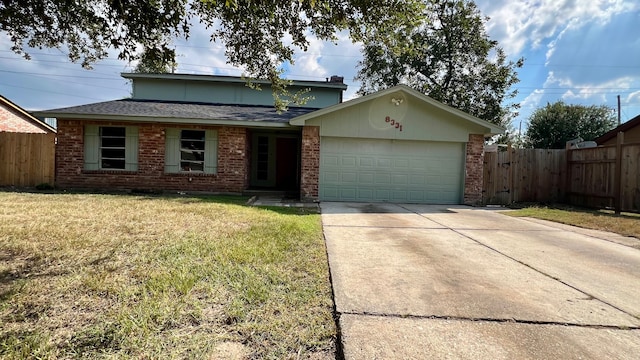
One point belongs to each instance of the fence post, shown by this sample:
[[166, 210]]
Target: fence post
[[617, 177], [567, 173], [510, 181]]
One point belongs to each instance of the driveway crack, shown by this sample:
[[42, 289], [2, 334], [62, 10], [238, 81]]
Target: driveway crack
[[489, 320]]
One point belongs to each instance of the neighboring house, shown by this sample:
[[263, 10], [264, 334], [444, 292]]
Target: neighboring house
[[631, 130], [13, 118], [215, 134]]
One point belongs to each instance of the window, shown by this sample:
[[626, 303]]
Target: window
[[110, 148], [189, 151], [192, 150]]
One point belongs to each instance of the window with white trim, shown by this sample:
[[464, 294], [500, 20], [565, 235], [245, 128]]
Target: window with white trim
[[191, 150], [110, 148]]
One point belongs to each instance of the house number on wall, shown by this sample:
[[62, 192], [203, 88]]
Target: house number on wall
[[393, 123]]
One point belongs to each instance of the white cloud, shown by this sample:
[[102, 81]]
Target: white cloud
[[307, 63], [531, 103], [324, 59], [204, 59], [519, 25], [633, 97], [595, 93]]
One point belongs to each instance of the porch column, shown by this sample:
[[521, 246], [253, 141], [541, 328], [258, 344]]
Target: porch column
[[310, 163], [473, 173]]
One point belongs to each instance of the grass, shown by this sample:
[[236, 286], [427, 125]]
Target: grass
[[627, 224], [118, 276]]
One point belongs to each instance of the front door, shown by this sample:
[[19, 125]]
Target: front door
[[275, 161]]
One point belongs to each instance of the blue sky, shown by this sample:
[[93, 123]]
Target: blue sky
[[579, 51]]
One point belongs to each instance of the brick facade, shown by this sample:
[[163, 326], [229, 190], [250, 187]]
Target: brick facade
[[310, 163], [12, 122], [474, 170], [233, 162], [232, 174]]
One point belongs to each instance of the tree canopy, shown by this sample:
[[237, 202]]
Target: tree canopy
[[151, 63], [259, 36], [552, 126], [446, 55]]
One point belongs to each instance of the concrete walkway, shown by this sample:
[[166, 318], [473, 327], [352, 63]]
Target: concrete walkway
[[438, 282]]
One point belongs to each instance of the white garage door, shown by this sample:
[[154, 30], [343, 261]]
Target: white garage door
[[380, 170]]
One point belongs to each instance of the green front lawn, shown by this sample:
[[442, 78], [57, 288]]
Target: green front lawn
[[627, 224], [118, 276]]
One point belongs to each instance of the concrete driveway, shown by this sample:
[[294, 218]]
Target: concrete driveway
[[455, 282]]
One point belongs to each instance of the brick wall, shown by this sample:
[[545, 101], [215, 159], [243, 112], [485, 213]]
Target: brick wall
[[310, 163], [474, 170], [232, 174], [11, 122]]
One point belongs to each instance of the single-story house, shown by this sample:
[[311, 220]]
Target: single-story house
[[13, 118], [215, 134], [631, 130]]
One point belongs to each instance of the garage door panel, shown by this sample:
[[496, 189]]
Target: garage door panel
[[349, 178], [399, 196], [366, 193], [348, 161], [366, 178], [349, 193], [390, 170], [400, 179], [330, 177], [330, 160], [401, 164], [416, 196], [382, 195], [330, 192], [418, 164], [383, 179], [366, 161], [417, 180], [383, 163]]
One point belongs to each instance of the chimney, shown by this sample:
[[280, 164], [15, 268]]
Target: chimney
[[337, 79]]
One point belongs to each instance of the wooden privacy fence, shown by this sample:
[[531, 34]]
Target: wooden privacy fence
[[27, 159], [605, 177], [602, 177], [524, 175]]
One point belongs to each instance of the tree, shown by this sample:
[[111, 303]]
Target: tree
[[151, 63], [449, 57], [552, 126], [259, 36]]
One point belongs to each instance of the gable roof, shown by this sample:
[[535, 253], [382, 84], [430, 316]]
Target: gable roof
[[489, 127], [623, 127], [180, 112], [25, 115]]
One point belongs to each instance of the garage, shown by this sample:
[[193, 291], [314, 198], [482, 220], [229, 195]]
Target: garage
[[378, 170], [395, 145]]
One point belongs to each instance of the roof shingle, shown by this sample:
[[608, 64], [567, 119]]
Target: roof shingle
[[180, 110]]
